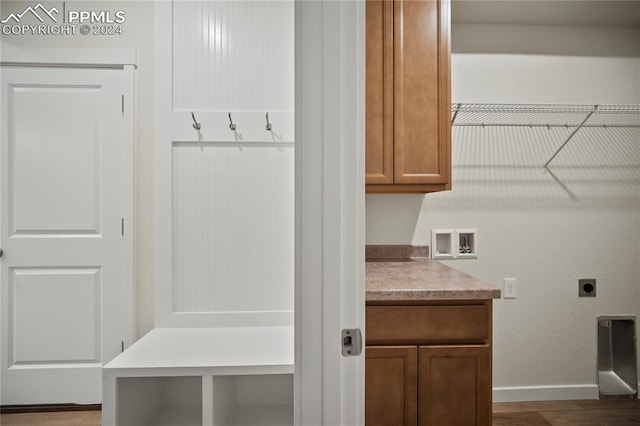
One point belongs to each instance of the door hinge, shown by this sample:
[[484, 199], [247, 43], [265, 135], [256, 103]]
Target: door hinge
[[351, 342], [122, 226], [123, 105]]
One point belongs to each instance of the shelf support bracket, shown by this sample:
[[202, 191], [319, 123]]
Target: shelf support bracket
[[455, 113], [562, 185], [546, 165]]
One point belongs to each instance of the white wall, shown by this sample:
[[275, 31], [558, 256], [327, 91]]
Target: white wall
[[528, 226], [138, 35]]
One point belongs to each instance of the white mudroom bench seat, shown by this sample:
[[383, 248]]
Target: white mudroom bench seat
[[202, 376]]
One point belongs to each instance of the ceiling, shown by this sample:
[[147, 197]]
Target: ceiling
[[548, 12]]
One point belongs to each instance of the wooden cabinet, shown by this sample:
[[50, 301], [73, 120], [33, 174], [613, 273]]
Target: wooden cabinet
[[428, 365], [391, 385], [408, 99], [455, 385]]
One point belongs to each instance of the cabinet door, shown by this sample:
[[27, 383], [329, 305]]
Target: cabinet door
[[379, 91], [391, 385], [454, 386], [422, 105]]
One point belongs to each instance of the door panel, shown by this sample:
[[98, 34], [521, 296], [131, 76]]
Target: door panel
[[45, 197], [379, 92], [391, 385], [421, 80], [39, 318], [455, 386], [62, 204]]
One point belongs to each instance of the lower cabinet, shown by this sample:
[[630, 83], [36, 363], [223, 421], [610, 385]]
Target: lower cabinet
[[428, 384], [454, 385], [391, 385]]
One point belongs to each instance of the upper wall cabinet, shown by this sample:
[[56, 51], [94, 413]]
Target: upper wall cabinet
[[408, 95]]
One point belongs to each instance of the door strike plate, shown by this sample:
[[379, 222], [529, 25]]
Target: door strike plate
[[351, 342]]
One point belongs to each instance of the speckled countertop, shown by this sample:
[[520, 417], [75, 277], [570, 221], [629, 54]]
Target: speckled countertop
[[422, 279]]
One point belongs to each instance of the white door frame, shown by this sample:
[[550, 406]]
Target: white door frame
[[124, 59], [330, 97]]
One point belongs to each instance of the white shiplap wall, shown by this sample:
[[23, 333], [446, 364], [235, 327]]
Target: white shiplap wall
[[233, 55], [233, 224], [226, 197]]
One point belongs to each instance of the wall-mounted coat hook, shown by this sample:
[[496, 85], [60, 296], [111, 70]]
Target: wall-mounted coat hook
[[196, 125], [268, 124], [232, 125]]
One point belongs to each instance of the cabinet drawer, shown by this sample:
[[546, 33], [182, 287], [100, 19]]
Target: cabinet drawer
[[427, 324]]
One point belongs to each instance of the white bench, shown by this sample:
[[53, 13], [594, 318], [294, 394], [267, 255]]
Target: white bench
[[202, 376]]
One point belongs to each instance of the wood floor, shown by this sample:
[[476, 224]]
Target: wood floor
[[551, 413], [560, 413], [58, 418]]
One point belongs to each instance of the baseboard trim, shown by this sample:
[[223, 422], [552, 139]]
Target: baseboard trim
[[43, 408], [545, 393]]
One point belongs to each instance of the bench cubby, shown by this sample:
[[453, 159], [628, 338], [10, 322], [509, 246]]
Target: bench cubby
[[222, 376]]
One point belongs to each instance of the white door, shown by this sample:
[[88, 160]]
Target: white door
[[63, 141]]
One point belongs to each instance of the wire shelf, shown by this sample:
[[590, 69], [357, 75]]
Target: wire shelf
[[545, 115], [573, 117], [546, 108]]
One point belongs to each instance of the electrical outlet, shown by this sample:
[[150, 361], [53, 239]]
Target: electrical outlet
[[586, 287], [510, 288]]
